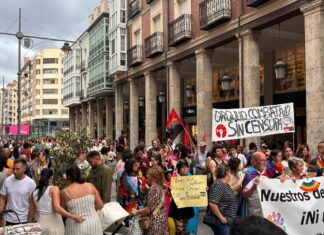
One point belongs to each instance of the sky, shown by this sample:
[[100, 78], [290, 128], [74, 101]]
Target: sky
[[62, 19]]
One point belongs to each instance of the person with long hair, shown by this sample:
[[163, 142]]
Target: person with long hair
[[83, 199], [45, 201], [303, 153], [155, 203], [287, 154]]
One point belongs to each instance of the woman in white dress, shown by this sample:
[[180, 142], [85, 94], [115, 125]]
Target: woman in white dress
[[45, 204], [83, 199]]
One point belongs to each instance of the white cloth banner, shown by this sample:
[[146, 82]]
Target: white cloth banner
[[229, 124], [290, 206]]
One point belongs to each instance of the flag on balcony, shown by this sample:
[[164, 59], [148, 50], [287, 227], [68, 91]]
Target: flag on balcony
[[174, 125]]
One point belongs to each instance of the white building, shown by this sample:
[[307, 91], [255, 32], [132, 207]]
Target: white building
[[117, 36]]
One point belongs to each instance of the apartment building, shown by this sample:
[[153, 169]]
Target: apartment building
[[26, 92], [10, 103], [48, 111]]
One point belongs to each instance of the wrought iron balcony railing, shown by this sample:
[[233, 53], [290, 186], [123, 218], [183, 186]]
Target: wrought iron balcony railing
[[134, 8], [134, 56], [180, 30], [214, 12], [255, 3], [82, 95], [154, 44]]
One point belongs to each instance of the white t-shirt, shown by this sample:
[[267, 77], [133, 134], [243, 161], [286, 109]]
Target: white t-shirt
[[254, 204], [243, 160], [18, 193], [202, 158]]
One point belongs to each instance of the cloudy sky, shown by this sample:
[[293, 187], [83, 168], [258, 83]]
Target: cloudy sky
[[63, 19]]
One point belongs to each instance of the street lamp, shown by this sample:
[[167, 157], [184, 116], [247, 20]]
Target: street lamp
[[19, 35], [126, 104], [280, 69], [141, 101], [226, 83], [161, 97], [189, 91]]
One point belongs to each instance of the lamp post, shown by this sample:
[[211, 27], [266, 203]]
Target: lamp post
[[162, 99], [19, 35]]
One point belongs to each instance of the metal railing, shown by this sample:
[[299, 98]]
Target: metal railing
[[154, 44], [180, 30], [134, 55], [255, 3], [214, 12]]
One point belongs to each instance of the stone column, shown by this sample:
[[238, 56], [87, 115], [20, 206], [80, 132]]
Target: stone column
[[72, 119], [119, 109], [251, 74], [204, 83], [150, 108], [174, 88], [77, 118], [91, 120], [109, 117], [314, 53], [99, 119], [84, 116], [133, 113]]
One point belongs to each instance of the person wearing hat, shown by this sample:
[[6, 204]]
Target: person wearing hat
[[201, 158]]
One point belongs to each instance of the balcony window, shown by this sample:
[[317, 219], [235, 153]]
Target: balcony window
[[134, 8], [214, 12], [154, 44], [180, 30], [135, 55]]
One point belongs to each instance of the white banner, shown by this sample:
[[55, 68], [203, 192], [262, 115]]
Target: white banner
[[294, 207], [229, 124]]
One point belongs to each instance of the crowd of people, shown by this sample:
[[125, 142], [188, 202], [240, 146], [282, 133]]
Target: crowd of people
[[143, 177]]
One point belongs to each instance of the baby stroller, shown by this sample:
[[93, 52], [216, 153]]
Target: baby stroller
[[114, 219], [23, 229]]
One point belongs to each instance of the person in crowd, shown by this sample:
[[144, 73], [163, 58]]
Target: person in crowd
[[316, 166], [100, 175], [122, 139], [303, 153], [156, 161], [3, 171], [82, 199], [200, 158], [252, 149], [255, 225], [33, 166], [82, 163], [233, 153], [15, 151], [155, 203], [142, 160], [296, 166], [215, 160], [154, 148], [181, 216], [276, 157], [287, 154], [222, 202], [235, 181], [16, 192], [45, 201], [26, 151], [130, 186], [250, 183]]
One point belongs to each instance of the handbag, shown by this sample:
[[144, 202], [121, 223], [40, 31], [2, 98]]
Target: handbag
[[144, 221]]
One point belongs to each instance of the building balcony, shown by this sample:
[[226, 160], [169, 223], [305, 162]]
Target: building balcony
[[154, 45], [213, 13], [149, 1], [82, 96], [83, 66], [134, 56], [180, 30], [99, 86], [255, 3], [134, 8]]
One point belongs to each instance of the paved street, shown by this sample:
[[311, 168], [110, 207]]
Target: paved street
[[202, 228]]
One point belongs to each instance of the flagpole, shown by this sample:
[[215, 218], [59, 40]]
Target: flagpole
[[191, 141]]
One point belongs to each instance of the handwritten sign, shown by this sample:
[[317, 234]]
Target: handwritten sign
[[297, 208], [229, 124], [189, 191]]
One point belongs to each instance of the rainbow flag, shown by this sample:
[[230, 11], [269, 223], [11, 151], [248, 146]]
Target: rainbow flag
[[174, 125], [310, 186], [320, 163]]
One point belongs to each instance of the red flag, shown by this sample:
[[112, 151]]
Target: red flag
[[204, 138], [186, 138], [174, 125]]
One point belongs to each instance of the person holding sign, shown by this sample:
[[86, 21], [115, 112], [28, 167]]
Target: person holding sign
[[296, 166], [181, 216], [251, 204], [222, 203], [316, 166]]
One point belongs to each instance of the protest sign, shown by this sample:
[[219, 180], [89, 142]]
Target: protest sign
[[189, 191], [229, 124], [297, 208]]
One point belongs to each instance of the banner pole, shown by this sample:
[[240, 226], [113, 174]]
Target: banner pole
[[192, 143]]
